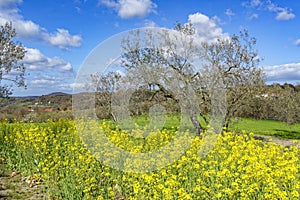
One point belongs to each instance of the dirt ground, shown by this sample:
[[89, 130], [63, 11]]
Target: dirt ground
[[276, 140], [14, 186]]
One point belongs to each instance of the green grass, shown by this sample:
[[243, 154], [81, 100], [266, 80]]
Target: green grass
[[267, 127], [259, 127], [172, 121]]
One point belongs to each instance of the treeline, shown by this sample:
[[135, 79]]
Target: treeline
[[275, 102]]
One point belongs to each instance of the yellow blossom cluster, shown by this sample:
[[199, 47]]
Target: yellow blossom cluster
[[69, 164]]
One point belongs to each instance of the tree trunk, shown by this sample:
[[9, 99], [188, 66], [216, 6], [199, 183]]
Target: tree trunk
[[226, 122], [205, 119], [196, 123]]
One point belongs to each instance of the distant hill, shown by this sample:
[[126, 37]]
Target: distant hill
[[57, 94], [18, 107], [56, 99]]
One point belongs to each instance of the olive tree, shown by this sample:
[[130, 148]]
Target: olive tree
[[11, 53], [227, 64], [105, 85], [237, 64], [155, 59]]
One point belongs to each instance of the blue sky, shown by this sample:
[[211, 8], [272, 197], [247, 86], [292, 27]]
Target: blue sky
[[58, 35]]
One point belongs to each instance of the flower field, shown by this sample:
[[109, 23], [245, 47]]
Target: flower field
[[239, 167]]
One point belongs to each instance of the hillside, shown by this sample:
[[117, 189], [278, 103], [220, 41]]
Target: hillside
[[21, 108]]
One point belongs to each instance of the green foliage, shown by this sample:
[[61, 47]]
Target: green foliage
[[11, 53]]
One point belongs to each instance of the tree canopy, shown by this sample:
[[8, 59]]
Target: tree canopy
[[224, 67], [206, 79], [11, 53]]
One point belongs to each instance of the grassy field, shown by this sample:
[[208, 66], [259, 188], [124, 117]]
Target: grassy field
[[259, 127], [267, 127]]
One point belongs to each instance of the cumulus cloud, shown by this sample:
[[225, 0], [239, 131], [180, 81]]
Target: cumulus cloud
[[44, 72], [283, 73], [27, 29], [35, 60], [285, 15], [63, 38], [130, 8], [206, 28], [282, 13], [53, 83]]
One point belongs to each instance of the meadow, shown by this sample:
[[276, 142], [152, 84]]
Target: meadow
[[239, 167], [268, 127], [262, 127]]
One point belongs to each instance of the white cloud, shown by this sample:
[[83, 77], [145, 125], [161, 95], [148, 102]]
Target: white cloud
[[255, 2], [254, 16], [9, 3], [217, 20], [65, 86], [149, 23], [42, 72], [206, 28], [42, 82], [229, 13], [52, 82], [27, 29], [282, 13], [77, 86], [109, 3], [62, 38], [297, 42], [130, 8], [283, 73], [35, 60], [285, 15]]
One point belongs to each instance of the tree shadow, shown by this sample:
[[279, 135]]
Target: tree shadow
[[287, 134]]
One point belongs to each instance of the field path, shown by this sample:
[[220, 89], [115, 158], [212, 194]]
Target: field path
[[281, 141], [13, 186]]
